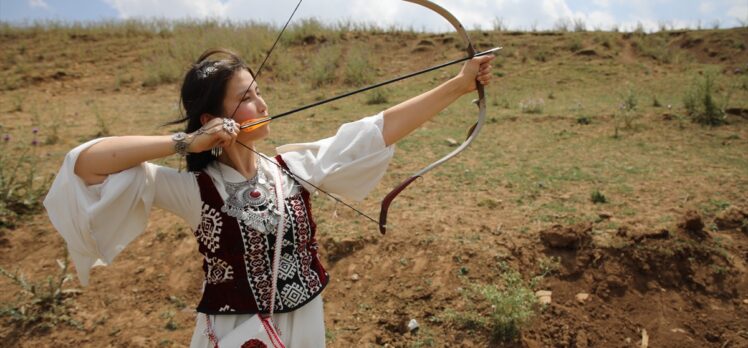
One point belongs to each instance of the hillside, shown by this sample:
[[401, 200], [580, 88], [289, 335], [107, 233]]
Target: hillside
[[590, 180]]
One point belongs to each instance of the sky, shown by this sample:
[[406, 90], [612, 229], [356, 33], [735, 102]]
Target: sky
[[473, 14]]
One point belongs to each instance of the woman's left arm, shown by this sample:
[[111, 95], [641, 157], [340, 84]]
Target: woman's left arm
[[402, 119]]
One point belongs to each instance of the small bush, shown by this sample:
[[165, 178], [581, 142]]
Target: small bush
[[700, 103], [656, 102], [376, 97], [358, 68], [512, 306], [161, 71], [323, 66], [627, 112], [598, 197]]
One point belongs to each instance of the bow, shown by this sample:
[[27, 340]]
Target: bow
[[472, 133]]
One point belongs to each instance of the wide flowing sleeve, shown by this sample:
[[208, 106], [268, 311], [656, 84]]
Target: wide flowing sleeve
[[349, 164], [98, 221]]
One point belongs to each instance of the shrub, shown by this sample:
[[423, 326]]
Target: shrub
[[700, 103], [598, 197], [626, 111], [323, 66], [377, 96], [512, 306], [358, 68]]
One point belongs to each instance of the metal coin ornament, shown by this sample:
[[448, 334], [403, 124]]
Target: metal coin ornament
[[251, 203]]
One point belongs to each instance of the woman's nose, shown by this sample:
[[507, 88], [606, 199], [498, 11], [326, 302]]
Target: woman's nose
[[262, 107]]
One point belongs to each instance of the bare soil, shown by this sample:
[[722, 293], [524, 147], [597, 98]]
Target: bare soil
[[662, 268]]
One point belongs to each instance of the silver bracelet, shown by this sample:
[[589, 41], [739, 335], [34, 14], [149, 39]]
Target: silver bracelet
[[180, 143]]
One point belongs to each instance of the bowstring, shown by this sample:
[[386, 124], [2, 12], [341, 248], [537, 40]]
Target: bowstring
[[288, 172], [262, 65]]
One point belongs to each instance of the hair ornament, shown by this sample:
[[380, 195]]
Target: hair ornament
[[206, 70]]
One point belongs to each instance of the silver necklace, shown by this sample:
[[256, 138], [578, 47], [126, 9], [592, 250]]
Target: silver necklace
[[250, 202]]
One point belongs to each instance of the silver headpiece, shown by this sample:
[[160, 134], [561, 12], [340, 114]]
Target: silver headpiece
[[206, 70]]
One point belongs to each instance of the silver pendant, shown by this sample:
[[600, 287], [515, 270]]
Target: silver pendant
[[252, 203]]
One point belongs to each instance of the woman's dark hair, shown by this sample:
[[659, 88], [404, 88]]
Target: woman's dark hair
[[203, 91]]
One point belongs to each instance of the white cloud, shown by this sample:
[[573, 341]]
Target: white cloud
[[738, 9], [515, 14], [39, 4], [706, 7], [169, 8]]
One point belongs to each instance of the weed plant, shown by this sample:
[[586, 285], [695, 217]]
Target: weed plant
[[627, 112], [377, 96], [358, 68], [45, 303], [512, 306], [700, 102], [21, 186], [323, 66]]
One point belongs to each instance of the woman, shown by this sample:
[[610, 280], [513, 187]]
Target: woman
[[235, 200]]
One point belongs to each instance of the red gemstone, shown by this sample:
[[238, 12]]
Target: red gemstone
[[255, 194]]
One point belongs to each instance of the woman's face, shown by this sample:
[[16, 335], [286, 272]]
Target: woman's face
[[251, 107]]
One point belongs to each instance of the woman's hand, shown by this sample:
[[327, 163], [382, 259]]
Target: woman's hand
[[477, 69], [218, 132]]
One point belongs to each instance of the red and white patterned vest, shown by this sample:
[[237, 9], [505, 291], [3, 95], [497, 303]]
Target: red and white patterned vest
[[238, 259]]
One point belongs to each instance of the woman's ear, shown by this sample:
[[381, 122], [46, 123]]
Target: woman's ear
[[205, 118]]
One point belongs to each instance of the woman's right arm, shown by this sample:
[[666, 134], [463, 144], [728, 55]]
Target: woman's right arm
[[116, 154], [113, 155]]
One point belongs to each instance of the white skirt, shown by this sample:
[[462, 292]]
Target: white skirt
[[302, 328]]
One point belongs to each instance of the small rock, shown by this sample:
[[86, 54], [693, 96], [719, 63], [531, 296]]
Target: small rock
[[413, 325], [544, 296], [745, 301], [354, 277], [678, 330], [605, 215], [452, 142], [582, 297]]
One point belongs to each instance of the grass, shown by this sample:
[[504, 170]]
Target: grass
[[701, 103], [532, 165], [511, 307], [323, 66], [22, 185], [43, 304]]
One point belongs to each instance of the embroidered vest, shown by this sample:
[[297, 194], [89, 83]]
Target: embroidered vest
[[238, 259]]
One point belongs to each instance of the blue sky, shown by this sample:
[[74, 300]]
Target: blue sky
[[515, 14]]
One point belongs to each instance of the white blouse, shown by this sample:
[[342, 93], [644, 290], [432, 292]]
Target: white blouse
[[98, 221]]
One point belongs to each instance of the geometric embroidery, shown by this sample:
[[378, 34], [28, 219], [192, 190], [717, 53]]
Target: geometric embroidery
[[294, 294], [219, 271], [226, 308], [286, 268], [209, 229]]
